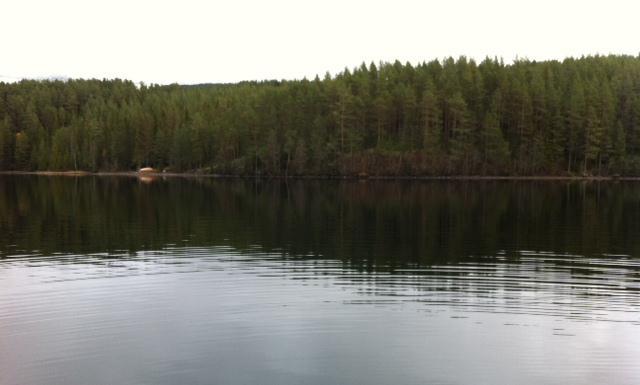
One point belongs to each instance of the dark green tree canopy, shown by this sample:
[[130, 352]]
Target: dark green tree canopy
[[450, 117]]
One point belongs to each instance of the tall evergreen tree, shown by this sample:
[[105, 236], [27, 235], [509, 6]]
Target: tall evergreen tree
[[441, 117]]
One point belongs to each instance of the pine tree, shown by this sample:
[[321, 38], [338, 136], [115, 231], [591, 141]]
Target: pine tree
[[454, 116], [22, 153], [383, 110], [574, 123], [594, 134], [462, 151], [618, 149], [6, 145], [432, 123], [495, 149]]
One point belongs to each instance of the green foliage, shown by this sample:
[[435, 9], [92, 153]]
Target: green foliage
[[22, 151], [579, 116], [495, 149], [6, 145]]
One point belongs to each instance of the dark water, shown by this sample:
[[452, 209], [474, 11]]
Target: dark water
[[121, 281]]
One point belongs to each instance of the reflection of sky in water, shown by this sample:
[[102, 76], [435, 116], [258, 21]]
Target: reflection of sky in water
[[214, 315], [200, 281], [574, 287]]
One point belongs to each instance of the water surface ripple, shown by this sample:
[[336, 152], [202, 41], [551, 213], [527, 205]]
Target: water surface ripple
[[212, 282]]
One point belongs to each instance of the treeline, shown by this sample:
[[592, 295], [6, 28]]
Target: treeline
[[450, 117]]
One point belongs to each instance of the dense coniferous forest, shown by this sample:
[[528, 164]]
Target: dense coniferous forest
[[449, 117]]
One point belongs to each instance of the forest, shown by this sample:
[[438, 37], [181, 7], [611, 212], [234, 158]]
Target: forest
[[575, 117]]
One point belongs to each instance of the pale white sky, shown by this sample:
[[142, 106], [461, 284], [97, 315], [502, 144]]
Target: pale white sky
[[191, 41]]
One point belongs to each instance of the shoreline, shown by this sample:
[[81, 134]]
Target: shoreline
[[323, 177]]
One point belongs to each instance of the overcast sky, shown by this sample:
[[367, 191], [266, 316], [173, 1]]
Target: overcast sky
[[190, 41]]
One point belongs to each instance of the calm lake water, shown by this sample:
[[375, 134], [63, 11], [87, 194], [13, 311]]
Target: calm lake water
[[201, 281]]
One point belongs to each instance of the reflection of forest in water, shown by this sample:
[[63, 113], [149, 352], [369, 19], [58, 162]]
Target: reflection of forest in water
[[372, 224]]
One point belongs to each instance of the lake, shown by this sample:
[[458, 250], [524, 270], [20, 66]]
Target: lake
[[119, 280]]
